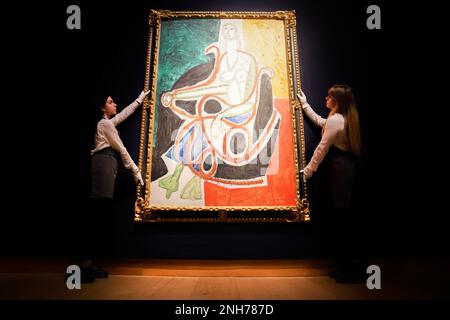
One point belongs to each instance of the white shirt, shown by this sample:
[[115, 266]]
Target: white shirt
[[107, 136], [333, 134]]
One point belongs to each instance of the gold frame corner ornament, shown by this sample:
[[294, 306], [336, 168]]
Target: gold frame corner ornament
[[144, 211]]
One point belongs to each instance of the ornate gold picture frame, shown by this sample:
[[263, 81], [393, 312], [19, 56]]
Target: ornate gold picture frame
[[221, 136]]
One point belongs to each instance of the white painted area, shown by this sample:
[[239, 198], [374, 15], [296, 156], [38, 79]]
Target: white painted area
[[158, 194]]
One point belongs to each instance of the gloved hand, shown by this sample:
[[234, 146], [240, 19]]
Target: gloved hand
[[142, 96], [302, 97], [306, 173], [138, 177]]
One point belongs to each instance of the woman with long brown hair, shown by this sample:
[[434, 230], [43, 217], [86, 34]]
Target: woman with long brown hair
[[341, 144]]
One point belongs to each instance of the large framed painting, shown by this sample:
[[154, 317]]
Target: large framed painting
[[221, 136]]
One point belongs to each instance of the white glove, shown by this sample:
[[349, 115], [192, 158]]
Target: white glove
[[302, 97], [142, 96], [138, 177], [306, 173]]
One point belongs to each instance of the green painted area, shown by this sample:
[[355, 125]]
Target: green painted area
[[182, 45], [172, 182], [193, 189]]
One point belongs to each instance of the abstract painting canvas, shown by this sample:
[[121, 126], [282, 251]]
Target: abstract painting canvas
[[220, 137]]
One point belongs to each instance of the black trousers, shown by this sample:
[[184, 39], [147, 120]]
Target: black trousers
[[97, 223], [97, 240], [104, 169], [343, 223], [342, 172]]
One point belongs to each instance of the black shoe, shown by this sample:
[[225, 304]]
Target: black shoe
[[336, 272], [99, 272], [351, 277], [86, 276]]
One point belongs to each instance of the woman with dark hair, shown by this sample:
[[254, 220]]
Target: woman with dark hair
[[109, 151], [109, 148], [341, 145]]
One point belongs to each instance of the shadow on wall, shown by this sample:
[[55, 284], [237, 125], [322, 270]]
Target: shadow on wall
[[209, 240]]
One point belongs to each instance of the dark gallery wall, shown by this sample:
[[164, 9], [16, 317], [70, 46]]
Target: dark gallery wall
[[53, 73]]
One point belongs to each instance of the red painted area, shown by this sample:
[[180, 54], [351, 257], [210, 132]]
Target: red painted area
[[280, 190]]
